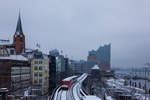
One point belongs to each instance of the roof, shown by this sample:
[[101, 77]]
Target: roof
[[95, 67], [14, 57], [69, 78], [4, 41], [19, 25]]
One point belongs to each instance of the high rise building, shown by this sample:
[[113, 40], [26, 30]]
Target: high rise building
[[101, 56], [104, 57]]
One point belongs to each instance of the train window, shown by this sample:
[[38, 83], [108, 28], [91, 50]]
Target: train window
[[65, 82]]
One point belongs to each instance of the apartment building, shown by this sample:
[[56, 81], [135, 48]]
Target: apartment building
[[40, 74]]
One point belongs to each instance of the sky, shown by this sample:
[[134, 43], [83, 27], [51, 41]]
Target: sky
[[77, 26]]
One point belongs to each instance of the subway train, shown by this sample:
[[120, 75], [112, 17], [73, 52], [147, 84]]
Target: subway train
[[67, 82]]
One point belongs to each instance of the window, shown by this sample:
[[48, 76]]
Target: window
[[21, 39], [40, 68], [35, 81], [40, 74], [40, 62], [35, 68], [65, 83], [40, 81], [45, 78], [12, 52], [36, 74], [46, 71], [35, 62]]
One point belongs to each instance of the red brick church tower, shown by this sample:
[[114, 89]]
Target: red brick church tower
[[19, 38]]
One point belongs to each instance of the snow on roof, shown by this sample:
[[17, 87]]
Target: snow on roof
[[92, 98], [95, 67], [109, 98], [69, 78], [14, 57], [5, 42]]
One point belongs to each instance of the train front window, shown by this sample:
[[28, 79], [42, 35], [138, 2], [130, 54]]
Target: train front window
[[65, 82]]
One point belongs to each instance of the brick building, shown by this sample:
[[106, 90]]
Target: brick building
[[19, 38]]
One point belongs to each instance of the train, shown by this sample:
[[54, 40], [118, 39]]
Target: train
[[67, 82]]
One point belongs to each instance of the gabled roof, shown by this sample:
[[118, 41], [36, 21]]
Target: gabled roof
[[19, 26]]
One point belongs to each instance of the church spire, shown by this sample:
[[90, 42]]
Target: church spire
[[19, 25], [19, 38]]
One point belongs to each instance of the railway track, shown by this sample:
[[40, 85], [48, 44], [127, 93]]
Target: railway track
[[70, 93]]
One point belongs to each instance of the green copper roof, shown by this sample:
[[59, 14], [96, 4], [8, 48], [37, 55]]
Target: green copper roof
[[19, 25]]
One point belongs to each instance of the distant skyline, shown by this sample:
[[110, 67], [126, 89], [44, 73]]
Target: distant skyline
[[79, 26]]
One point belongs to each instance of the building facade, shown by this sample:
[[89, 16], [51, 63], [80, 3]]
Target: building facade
[[78, 67], [7, 49], [52, 73], [40, 74], [15, 74], [60, 63]]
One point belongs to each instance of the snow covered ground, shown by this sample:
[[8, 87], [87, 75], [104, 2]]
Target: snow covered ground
[[91, 98], [136, 92], [63, 95], [77, 87], [74, 92]]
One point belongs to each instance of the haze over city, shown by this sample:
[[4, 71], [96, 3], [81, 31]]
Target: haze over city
[[81, 25]]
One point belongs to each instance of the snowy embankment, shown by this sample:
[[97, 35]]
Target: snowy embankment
[[77, 87], [119, 84], [91, 98], [78, 92], [56, 93]]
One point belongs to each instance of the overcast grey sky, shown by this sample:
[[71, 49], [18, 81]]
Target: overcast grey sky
[[77, 26]]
